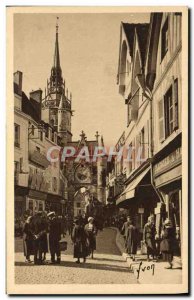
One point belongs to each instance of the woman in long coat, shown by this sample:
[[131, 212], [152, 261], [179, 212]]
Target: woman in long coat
[[80, 242], [149, 237], [91, 231], [28, 240], [131, 240], [166, 245]]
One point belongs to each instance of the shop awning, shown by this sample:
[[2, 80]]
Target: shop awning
[[129, 192]]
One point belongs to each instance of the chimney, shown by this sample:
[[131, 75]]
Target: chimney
[[17, 78], [36, 95]]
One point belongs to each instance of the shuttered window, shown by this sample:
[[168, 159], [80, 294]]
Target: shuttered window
[[137, 151], [133, 154], [176, 118], [169, 112], [161, 120]]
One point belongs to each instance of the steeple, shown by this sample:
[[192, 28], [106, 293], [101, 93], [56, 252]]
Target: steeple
[[56, 63], [56, 79], [56, 106]]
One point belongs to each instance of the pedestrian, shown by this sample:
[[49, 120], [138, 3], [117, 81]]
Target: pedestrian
[[79, 239], [28, 241], [44, 236], [63, 225], [149, 237], [125, 227], [166, 245], [83, 219], [91, 232], [39, 231], [54, 237], [131, 240], [69, 225]]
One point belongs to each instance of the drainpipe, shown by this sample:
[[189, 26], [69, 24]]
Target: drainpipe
[[140, 79], [151, 152]]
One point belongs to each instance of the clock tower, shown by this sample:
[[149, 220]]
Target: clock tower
[[56, 105]]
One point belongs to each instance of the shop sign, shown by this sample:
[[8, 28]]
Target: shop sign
[[120, 142], [171, 160], [39, 159], [37, 195]]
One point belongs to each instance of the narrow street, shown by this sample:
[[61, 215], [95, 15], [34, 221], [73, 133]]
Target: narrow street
[[107, 266]]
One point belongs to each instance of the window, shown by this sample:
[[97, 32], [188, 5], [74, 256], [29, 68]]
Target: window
[[54, 184], [30, 205], [133, 154], [47, 132], [130, 157], [164, 42], [40, 206], [16, 171], [52, 136], [37, 149], [78, 205], [176, 111], [32, 130], [21, 164], [161, 120], [169, 114], [142, 144], [41, 135], [17, 135]]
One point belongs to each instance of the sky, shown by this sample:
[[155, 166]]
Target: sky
[[89, 53]]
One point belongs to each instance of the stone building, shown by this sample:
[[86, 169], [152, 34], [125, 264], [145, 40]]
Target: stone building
[[150, 80], [85, 175], [164, 81], [38, 182], [56, 103], [138, 195]]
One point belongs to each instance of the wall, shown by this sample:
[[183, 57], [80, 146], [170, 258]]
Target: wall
[[168, 68]]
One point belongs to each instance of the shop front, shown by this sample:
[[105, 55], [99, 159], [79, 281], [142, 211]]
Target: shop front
[[139, 198], [36, 201], [167, 174], [54, 203], [20, 195]]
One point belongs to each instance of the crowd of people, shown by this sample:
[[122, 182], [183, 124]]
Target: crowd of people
[[44, 232], [156, 245]]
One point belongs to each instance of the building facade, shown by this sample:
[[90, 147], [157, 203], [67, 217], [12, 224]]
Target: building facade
[[150, 81], [85, 174], [138, 197], [39, 184], [166, 91]]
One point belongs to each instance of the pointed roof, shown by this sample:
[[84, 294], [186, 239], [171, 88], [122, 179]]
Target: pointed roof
[[56, 63], [142, 32], [129, 32]]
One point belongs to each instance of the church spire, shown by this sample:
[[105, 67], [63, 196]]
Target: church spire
[[56, 54], [56, 79]]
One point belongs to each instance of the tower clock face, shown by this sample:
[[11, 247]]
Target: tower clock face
[[83, 174]]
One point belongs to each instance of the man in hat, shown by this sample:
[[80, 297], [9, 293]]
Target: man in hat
[[54, 237]]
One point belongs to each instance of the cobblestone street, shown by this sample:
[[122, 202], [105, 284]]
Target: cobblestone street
[[107, 266]]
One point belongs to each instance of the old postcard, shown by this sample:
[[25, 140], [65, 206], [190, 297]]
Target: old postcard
[[97, 144]]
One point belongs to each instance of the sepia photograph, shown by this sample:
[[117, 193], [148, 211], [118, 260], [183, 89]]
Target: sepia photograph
[[97, 144]]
